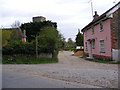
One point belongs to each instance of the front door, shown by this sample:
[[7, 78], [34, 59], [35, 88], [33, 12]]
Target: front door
[[90, 54]]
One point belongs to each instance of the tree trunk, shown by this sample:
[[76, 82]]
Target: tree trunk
[[36, 47]]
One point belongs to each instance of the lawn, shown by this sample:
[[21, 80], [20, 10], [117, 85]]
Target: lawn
[[27, 60]]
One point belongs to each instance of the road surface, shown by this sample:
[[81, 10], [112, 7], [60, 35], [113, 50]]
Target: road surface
[[21, 80], [72, 69]]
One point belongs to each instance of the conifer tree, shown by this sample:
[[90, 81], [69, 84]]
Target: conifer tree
[[79, 39]]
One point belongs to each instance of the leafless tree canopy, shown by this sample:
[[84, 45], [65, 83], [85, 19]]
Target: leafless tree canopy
[[16, 24]]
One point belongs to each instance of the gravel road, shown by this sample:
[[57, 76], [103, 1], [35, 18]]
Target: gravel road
[[73, 69]]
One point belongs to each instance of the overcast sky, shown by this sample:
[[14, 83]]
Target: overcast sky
[[69, 14]]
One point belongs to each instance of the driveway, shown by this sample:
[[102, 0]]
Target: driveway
[[73, 69]]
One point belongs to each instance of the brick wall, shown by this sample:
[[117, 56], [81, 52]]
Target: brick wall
[[119, 28], [99, 57], [115, 30]]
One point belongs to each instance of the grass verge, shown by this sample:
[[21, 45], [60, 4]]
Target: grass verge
[[28, 60]]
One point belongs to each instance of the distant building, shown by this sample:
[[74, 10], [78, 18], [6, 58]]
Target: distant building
[[39, 19], [24, 36], [102, 35], [11, 34]]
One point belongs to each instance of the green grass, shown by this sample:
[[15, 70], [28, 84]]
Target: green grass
[[106, 62], [69, 49], [28, 60]]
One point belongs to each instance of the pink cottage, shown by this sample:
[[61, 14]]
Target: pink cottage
[[102, 35]]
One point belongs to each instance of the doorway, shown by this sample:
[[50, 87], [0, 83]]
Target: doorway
[[91, 54]]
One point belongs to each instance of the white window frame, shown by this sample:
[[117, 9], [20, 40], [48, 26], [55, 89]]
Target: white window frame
[[101, 26], [92, 28], [86, 33], [93, 44], [102, 46], [86, 46]]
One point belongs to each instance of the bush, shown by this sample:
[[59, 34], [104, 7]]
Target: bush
[[45, 49], [22, 48], [48, 40], [18, 47], [47, 43]]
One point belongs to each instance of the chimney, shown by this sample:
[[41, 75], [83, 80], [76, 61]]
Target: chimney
[[24, 36], [96, 15]]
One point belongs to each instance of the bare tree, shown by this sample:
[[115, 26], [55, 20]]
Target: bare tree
[[70, 40], [16, 24]]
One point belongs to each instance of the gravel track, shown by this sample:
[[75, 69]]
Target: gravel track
[[73, 69]]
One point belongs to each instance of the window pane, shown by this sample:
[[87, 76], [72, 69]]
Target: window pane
[[102, 49], [101, 26], [92, 30], [86, 45], [93, 44]]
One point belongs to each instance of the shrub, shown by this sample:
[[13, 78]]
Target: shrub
[[47, 43], [18, 47], [22, 48], [48, 40]]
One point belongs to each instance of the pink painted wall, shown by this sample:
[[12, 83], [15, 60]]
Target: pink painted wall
[[99, 35], [24, 39]]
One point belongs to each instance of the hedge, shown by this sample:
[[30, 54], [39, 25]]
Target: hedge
[[19, 47]]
